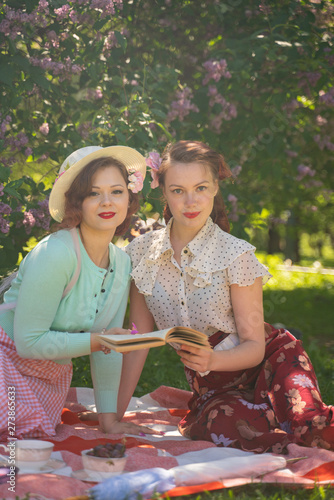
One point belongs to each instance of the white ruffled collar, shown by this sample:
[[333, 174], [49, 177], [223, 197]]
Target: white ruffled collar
[[212, 250]]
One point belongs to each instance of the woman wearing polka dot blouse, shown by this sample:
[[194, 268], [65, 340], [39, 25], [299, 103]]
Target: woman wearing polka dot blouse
[[256, 390]]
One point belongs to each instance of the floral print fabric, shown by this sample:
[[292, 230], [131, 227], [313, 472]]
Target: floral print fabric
[[262, 408]]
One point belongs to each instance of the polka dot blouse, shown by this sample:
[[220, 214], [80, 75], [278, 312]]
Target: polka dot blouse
[[197, 292]]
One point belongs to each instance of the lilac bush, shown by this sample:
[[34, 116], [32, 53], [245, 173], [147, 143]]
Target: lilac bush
[[252, 79]]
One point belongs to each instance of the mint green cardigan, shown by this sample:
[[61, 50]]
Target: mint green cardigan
[[44, 325]]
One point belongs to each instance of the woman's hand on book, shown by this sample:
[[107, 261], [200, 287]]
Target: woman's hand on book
[[95, 344], [199, 360]]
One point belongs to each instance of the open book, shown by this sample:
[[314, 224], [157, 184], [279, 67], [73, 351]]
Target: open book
[[175, 336]]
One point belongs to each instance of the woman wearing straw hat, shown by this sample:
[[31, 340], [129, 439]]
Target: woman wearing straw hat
[[71, 287]]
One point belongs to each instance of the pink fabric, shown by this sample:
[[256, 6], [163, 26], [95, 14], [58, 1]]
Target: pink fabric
[[37, 389]]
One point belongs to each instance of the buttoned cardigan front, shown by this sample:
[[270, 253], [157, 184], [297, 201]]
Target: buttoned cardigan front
[[46, 326]]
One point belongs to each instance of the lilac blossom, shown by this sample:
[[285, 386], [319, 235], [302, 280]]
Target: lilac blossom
[[1, 189], [28, 221], [106, 7], [327, 98], [41, 214], [74, 16], [313, 184], [228, 110], [290, 153], [94, 94], [290, 106], [308, 77], [321, 120], [84, 129], [110, 42], [324, 142], [65, 70], [18, 142], [303, 171], [4, 125], [44, 128], [4, 225], [43, 6], [36, 217], [43, 157], [5, 209], [62, 12], [53, 38], [181, 107], [215, 70]]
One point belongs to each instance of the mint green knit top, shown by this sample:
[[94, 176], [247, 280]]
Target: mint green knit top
[[45, 325]]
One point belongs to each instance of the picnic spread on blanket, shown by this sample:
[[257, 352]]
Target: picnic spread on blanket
[[158, 463]]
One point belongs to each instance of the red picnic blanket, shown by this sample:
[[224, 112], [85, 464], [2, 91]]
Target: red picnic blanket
[[162, 410]]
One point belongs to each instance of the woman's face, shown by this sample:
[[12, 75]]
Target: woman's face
[[190, 189], [106, 206]]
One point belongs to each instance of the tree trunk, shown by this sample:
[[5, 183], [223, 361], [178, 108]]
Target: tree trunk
[[273, 241], [292, 239]]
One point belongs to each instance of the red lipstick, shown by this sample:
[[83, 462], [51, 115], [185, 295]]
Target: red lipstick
[[107, 215], [191, 215]]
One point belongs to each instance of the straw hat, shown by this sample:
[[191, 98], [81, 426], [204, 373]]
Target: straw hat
[[75, 162]]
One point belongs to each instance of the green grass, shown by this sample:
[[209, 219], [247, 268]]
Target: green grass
[[297, 300], [260, 492]]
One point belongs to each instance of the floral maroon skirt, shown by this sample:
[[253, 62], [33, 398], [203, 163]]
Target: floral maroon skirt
[[262, 408]]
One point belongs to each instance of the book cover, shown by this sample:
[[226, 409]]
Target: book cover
[[175, 336]]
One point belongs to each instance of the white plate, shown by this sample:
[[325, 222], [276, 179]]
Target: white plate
[[52, 465], [91, 478], [83, 476]]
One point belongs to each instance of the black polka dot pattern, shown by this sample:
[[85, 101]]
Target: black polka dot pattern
[[197, 293]]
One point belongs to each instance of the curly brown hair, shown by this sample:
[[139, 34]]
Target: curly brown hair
[[197, 152], [81, 187]]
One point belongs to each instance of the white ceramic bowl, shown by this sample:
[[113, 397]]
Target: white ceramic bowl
[[32, 454], [102, 467]]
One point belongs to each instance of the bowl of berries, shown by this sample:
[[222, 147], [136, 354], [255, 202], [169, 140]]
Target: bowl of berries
[[104, 460]]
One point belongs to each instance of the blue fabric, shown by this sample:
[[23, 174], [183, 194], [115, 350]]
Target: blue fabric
[[129, 485]]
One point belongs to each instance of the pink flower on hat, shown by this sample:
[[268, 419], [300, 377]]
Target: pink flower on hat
[[59, 175], [154, 161], [136, 182]]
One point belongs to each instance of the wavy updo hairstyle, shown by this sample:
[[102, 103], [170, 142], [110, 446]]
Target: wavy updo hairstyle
[[197, 152], [82, 186]]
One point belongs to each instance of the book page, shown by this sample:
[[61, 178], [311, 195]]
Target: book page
[[134, 339]]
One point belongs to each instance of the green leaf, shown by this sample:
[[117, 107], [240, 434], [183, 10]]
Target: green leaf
[[4, 173], [12, 192], [7, 74], [121, 40], [39, 78], [22, 62], [100, 23]]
